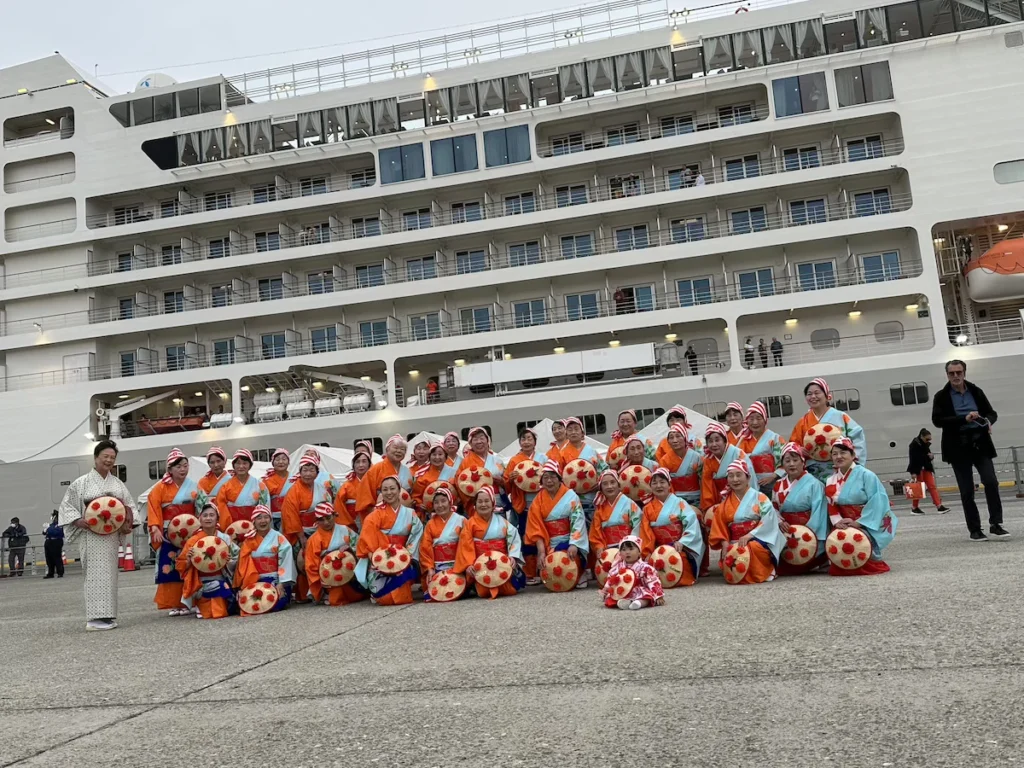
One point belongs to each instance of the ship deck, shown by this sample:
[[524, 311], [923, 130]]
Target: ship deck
[[919, 667]]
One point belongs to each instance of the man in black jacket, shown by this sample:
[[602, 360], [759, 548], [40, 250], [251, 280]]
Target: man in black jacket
[[17, 540], [965, 416]]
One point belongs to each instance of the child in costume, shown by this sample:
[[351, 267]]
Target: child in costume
[[647, 589]]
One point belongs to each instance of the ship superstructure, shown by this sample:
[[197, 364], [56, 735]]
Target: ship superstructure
[[588, 216]]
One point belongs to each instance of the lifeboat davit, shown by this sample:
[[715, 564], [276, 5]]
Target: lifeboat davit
[[999, 273]]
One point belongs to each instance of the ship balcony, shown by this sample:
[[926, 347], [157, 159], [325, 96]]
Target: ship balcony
[[988, 332], [693, 180], [339, 280]]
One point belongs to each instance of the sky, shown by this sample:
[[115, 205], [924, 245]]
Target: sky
[[128, 39]]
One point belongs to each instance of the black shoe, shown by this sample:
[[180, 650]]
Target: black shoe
[[48, 576], [978, 536], [916, 511], [998, 532], [942, 509]]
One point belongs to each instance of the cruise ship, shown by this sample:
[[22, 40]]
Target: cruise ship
[[570, 214]]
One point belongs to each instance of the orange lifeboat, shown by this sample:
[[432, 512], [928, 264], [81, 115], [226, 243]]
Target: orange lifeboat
[[998, 274]]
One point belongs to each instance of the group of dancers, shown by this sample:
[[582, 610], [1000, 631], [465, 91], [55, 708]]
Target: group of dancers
[[445, 519]]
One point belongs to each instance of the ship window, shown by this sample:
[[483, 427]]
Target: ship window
[[463, 212], [174, 301], [688, 62], [846, 399], [566, 145], [524, 202], [411, 114], [157, 469], [824, 338], [127, 360], [268, 241], [517, 92], [453, 155], [314, 185], [324, 339], [209, 98], [810, 38], [914, 393], [746, 167], [967, 15], [748, 220], [800, 94], [872, 203], [175, 356], [272, 345], [524, 425], [506, 146], [369, 275], [889, 332], [368, 226], [120, 112], [470, 261], [880, 267], [213, 201], [778, 43], [623, 134], [320, 282], [484, 427], [904, 22], [872, 27], [645, 416], [426, 326], [475, 319], [264, 193], [530, 312], [522, 254], [401, 164], [677, 125], [270, 288], [364, 178], [121, 472], [422, 268], [417, 219], [1010, 172], [218, 248], [714, 410], [867, 148], [863, 84], [841, 36], [687, 230], [574, 194], [748, 48], [816, 275], [594, 424], [373, 333], [142, 111], [756, 282], [285, 135], [376, 442], [544, 90], [223, 351], [694, 291], [807, 211], [718, 54], [735, 114], [188, 102], [577, 246], [798, 158], [631, 238], [779, 406], [163, 107]]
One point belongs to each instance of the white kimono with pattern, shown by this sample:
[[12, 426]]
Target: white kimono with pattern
[[99, 553]]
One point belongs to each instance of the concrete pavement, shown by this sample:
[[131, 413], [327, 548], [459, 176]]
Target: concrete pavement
[[922, 666]]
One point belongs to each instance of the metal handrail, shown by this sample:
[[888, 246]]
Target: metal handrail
[[497, 41], [686, 232], [44, 229], [134, 213], [641, 185], [987, 332], [39, 182], [26, 141]]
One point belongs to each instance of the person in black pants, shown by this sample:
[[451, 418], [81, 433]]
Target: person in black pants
[[54, 549], [17, 540], [965, 416]]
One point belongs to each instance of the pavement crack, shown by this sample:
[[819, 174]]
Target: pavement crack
[[180, 699]]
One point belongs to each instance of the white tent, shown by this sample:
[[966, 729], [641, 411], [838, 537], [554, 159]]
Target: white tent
[[544, 440], [431, 438], [197, 467], [657, 429], [337, 462]]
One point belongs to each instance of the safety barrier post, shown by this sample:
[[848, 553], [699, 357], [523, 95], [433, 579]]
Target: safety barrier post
[[1018, 482]]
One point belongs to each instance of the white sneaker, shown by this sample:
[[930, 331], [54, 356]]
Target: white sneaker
[[100, 625], [624, 604], [636, 605]]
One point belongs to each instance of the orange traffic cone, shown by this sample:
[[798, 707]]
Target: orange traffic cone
[[129, 558], [120, 558]]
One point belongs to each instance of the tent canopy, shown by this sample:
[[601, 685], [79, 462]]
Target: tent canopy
[[658, 429], [544, 440]]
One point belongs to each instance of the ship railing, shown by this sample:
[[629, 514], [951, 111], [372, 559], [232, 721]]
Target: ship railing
[[473, 45], [951, 263], [319, 185], [39, 138], [844, 347], [43, 229], [39, 182], [987, 332], [634, 132], [134, 213], [632, 240], [623, 185]]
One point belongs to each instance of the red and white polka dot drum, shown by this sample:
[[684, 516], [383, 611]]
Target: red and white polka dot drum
[[736, 563], [337, 568], [580, 475], [669, 564], [527, 476], [446, 586], [239, 529], [105, 515], [635, 481], [801, 545], [818, 441], [210, 554], [257, 599], [492, 569], [181, 528], [390, 560], [620, 586], [559, 572], [603, 566], [470, 481], [848, 548]]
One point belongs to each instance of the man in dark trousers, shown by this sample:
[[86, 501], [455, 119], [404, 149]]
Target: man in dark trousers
[[54, 549], [965, 416], [17, 540]]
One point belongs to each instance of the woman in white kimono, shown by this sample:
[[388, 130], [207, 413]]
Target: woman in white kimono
[[99, 553]]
